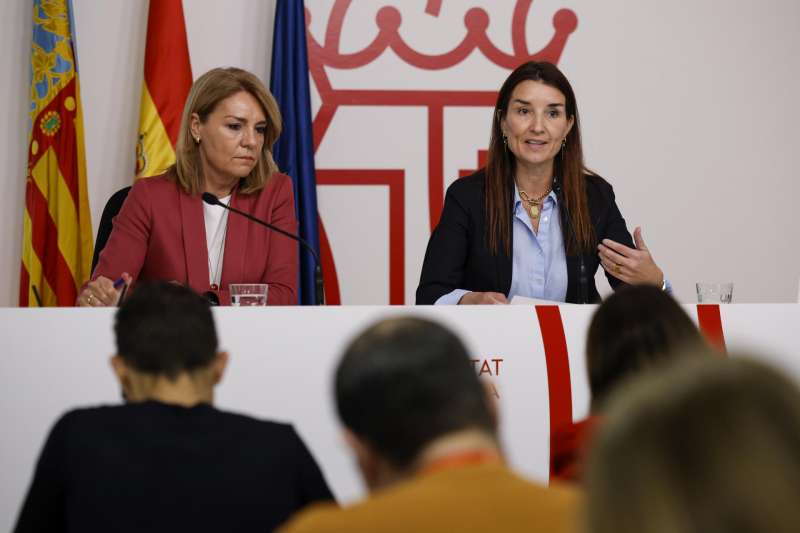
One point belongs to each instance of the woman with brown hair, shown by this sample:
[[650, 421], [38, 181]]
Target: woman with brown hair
[[535, 222], [164, 231], [635, 329]]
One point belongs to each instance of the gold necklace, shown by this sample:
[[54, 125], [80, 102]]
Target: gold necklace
[[533, 203]]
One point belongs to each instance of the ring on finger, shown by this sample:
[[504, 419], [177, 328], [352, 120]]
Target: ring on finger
[[617, 268], [90, 298]]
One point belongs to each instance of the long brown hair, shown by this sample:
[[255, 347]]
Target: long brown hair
[[206, 92], [568, 165]]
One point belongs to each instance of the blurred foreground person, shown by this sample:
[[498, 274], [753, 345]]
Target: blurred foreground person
[[168, 460], [634, 329], [424, 433], [707, 446]]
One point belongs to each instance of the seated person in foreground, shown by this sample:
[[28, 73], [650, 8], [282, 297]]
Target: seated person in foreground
[[423, 430], [635, 328], [167, 460], [709, 445]]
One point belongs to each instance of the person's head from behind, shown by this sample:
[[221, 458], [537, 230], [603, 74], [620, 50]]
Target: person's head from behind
[[705, 445], [167, 345], [403, 385], [635, 328]]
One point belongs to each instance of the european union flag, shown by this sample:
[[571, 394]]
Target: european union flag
[[294, 151]]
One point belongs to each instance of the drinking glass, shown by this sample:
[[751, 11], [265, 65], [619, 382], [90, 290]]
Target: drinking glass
[[714, 293], [247, 294]]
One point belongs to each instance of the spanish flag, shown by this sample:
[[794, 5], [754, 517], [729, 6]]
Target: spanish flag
[[167, 79], [57, 238]]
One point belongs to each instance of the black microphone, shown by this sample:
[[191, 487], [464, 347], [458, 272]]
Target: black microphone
[[213, 200], [582, 279]]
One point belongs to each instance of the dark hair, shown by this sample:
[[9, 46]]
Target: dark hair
[[404, 382], [568, 167], [636, 327], [165, 328], [704, 445]]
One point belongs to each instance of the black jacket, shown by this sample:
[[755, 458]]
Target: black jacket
[[458, 258], [157, 467]]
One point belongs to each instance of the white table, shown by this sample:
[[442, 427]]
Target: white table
[[282, 361]]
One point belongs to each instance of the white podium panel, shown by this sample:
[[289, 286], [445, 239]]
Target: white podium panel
[[282, 361]]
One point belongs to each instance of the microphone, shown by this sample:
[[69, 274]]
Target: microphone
[[213, 200], [583, 282]]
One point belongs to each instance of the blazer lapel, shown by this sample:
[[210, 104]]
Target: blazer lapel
[[236, 240], [195, 248], [503, 264]]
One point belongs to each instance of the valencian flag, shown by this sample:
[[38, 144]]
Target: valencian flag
[[294, 150], [167, 79], [57, 228]]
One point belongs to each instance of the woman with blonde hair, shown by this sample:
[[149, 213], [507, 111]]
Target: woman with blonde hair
[[164, 231], [707, 445]]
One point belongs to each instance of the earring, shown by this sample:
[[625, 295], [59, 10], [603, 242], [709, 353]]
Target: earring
[[197, 140], [505, 141], [564, 143]]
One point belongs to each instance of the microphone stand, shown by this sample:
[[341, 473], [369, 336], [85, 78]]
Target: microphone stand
[[319, 294]]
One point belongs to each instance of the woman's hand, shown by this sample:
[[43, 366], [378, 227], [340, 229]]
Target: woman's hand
[[483, 298], [633, 266], [101, 292]]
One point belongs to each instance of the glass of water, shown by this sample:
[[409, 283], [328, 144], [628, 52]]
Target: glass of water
[[714, 293], [247, 294]]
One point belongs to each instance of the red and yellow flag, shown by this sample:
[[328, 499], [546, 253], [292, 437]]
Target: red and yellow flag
[[57, 227], [167, 79]]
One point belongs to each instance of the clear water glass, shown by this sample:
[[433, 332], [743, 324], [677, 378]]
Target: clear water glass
[[714, 293], [248, 294]]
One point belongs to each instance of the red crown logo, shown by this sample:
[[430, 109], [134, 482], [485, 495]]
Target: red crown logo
[[389, 20]]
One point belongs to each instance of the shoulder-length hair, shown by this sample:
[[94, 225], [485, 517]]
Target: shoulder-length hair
[[636, 328], [206, 93], [569, 167]]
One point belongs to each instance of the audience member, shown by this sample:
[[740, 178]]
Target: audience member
[[710, 445], [423, 431], [635, 328], [167, 460]]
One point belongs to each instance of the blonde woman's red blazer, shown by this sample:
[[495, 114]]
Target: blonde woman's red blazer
[[159, 234]]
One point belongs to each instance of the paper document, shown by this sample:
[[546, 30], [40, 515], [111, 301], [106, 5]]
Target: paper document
[[522, 300]]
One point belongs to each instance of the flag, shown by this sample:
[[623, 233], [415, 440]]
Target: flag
[[57, 226], [167, 79], [294, 150]]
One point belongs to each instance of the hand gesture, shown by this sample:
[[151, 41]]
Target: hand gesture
[[633, 266]]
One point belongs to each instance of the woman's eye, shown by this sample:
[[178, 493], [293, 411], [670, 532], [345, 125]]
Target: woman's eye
[[553, 113], [261, 130], [235, 126], [522, 110]]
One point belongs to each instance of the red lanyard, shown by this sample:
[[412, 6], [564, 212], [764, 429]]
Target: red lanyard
[[472, 457]]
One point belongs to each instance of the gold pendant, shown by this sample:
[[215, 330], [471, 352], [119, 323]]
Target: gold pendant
[[534, 211]]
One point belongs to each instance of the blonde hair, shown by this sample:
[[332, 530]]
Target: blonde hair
[[707, 444], [206, 92]]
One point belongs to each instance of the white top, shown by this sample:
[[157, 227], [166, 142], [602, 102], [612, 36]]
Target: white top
[[216, 221]]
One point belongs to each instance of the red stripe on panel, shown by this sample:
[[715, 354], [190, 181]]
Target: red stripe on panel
[[708, 316], [559, 384]]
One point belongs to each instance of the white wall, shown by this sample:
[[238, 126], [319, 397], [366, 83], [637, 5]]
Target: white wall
[[688, 108]]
